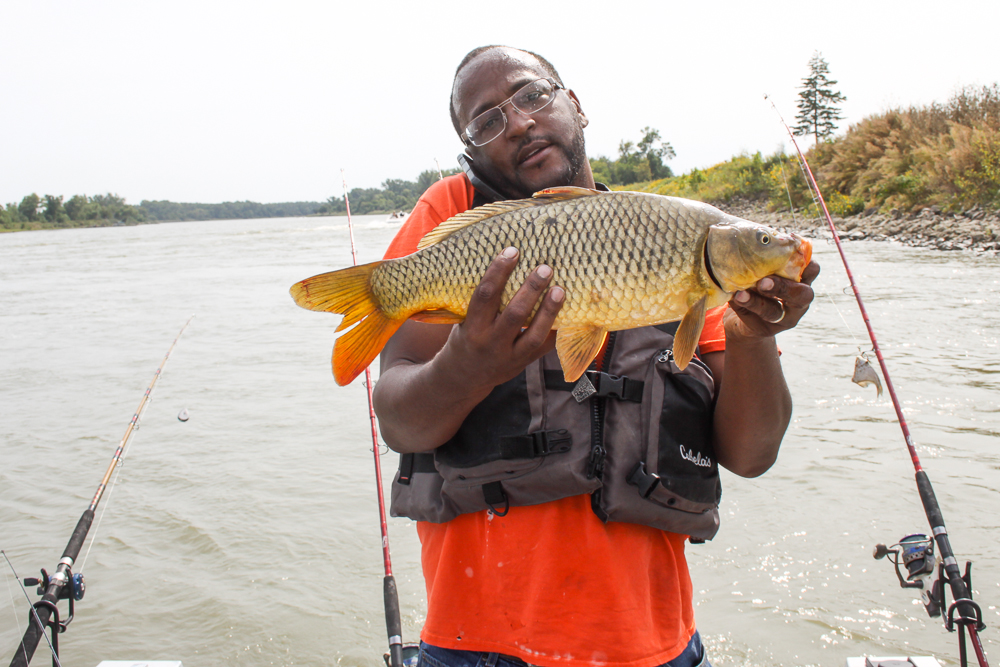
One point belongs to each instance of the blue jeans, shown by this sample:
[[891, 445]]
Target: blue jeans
[[433, 656]]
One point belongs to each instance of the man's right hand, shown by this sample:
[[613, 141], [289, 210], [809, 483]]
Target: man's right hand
[[497, 342], [433, 375]]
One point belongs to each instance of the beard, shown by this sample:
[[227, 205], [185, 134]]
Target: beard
[[520, 185]]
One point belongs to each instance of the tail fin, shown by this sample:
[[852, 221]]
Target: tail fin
[[348, 292]]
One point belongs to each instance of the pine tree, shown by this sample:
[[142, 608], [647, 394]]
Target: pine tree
[[817, 101]]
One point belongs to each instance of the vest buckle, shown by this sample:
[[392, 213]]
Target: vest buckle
[[612, 386], [544, 443], [646, 481]]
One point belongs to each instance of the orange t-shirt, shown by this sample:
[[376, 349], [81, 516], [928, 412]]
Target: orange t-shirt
[[551, 584]]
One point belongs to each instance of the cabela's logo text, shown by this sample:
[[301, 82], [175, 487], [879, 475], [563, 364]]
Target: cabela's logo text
[[695, 458]]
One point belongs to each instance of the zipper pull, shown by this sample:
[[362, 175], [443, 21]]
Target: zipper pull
[[595, 466], [666, 356]]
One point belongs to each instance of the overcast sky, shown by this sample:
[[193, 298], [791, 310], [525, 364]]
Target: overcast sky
[[210, 101]]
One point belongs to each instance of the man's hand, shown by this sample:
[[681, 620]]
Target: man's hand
[[494, 345], [433, 375], [776, 304]]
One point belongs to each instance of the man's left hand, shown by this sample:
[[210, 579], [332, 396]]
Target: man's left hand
[[775, 304]]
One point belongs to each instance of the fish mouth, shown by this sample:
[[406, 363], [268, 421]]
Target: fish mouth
[[533, 153], [802, 256]]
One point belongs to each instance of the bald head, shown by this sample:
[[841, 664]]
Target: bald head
[[499, 54]]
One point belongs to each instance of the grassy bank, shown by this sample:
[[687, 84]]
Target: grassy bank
[[945, 155]]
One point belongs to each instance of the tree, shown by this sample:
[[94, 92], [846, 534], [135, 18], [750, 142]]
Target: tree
[[28, 208], [53, 207], [654, 156], [74, 207], [637, 162], [818, 112]]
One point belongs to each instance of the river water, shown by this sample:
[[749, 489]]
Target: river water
[[248, 535]]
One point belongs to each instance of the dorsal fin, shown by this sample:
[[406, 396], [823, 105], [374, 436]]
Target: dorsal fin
[[472, 216], [565, 192]]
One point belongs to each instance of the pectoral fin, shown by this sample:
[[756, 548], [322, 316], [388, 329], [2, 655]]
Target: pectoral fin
[[577, 346], [689, 332]]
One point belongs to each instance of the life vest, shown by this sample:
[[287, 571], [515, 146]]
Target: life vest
[[636, 434]]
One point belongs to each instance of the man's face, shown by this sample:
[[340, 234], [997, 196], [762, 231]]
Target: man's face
[[543, 150]]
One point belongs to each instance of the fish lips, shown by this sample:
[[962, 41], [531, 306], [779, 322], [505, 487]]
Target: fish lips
[[800, 260]]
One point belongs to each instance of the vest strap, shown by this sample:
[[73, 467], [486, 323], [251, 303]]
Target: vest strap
[[494, 495], [411, 463], [610, 386], [534, 445]]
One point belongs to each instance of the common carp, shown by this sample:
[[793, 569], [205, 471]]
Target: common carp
[[624, 259]]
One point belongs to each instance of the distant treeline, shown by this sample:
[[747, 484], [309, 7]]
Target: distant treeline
[[394, 195], [168, 211], [50, 211]]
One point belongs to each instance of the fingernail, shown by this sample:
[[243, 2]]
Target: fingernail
[[765, 284], [543, 271], [509, 253], [741, 297], [557, 294]]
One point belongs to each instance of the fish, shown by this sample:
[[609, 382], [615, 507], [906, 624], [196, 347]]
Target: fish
[[624, 259], [865, 375]]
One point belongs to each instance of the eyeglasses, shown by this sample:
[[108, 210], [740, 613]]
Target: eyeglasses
[[530, 99]]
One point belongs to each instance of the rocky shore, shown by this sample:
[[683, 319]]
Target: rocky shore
[[976, 230]]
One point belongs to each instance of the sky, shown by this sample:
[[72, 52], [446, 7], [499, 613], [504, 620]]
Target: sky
[[223, 100]]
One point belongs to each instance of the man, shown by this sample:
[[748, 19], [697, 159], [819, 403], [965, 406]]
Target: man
[[553, 581]]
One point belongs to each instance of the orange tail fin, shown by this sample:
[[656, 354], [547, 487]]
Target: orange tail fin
[[348, 292]]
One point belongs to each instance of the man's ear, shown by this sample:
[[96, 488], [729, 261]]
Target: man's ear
[[579, 108]]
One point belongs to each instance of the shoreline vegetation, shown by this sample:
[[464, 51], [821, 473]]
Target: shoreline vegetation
[[927, 176]]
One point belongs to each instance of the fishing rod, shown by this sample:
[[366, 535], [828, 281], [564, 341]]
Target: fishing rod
[[914, 552], [393, 622], [63, 584]]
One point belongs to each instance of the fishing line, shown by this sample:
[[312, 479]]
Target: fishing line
[[791, 207], [393, 622], [114, 482], [788, 191], [13, 603], [34, 612], [97, 526], [969, 613]]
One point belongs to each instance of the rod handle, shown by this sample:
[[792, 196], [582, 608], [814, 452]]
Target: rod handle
[[393, 624]]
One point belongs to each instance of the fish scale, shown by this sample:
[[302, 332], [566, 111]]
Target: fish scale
[[624, 260]]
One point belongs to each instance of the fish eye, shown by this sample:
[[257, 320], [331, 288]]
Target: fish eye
[[763, 237]]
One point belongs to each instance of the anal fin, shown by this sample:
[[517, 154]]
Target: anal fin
[[355, 350], [689, 332], [577, 346]]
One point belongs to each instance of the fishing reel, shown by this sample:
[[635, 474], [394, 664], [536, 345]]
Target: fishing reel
[[74, 591], [916, 554]]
